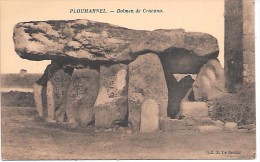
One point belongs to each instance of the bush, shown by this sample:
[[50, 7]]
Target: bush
[[236, 107], [17, 99]]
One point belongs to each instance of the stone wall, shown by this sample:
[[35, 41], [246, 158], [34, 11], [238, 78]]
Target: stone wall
[[239, 42], [248, 41]]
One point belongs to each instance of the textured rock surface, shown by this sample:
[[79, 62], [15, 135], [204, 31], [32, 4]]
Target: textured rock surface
[[149, 116], [58, 80], [82, 94], [146, 80], [39, 94], [230, 126], [210, 82], [96, 41], [192, 109], [111, 103]]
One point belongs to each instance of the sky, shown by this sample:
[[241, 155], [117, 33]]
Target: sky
[[192, 15]]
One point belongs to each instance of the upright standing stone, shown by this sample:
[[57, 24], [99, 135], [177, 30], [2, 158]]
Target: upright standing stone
[[82, 94], [111, 103], [149, 116], [39, 94], [210, 82], [57, 86], [146, 80]]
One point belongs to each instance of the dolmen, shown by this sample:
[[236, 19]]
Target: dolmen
[[108, 75]]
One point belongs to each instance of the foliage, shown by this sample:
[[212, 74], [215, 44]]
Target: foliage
[[238, 106], [17, 99]]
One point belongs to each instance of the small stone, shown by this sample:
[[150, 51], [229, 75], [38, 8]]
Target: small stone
[[219, 123], [252, 130], [149, 116], [129, 131], [230, 126], [194, 109], [97, 130], [209, 129], [108, 130], [173, 125], [248, 126]]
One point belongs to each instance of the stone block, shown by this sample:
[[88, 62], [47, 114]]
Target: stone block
[[82, 94], [210, 82], [149, 116], [248, 57], [146, 80], [248, 10], [39, 94], [219, 123], [194, 109], [248, 27], [248, 42], [50, 102], [57, 80], [230, 126], [111, 103]]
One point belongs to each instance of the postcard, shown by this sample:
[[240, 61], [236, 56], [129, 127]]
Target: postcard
[[148, 80]]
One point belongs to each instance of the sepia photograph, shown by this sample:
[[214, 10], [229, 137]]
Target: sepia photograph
[[128, 80]]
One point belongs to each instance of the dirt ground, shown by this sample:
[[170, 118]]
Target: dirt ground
[[24, 137]]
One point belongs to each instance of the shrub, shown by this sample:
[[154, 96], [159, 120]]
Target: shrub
[[238, 106], [17, 99]]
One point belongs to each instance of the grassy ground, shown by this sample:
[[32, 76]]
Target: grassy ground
[[24, 137]]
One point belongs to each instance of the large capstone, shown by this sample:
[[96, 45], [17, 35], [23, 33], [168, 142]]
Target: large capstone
[[82, 94], [146, 81], [95, 41], [111, 103]]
